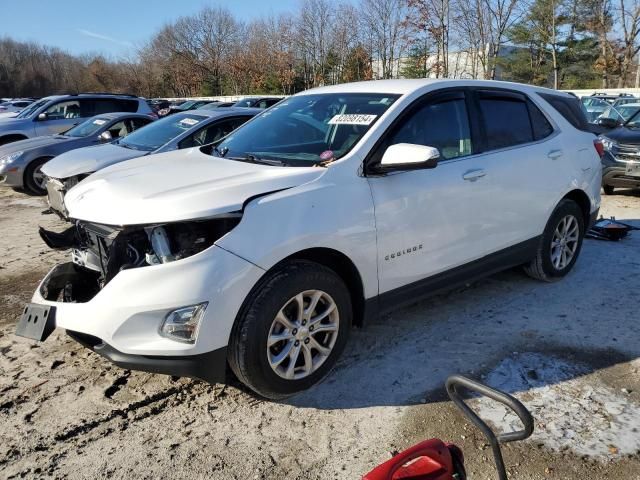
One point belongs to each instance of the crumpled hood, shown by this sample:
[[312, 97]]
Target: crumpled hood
[[31, 143], [88, 160], [175, 186]]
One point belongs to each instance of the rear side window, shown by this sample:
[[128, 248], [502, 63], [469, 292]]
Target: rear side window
[[506, 120], [130, 106], [570, 108]]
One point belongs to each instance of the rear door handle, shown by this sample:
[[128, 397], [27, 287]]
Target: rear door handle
[[554, 154], [473, 175]]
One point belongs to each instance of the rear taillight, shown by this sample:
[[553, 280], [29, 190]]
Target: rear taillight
[[597, 143]]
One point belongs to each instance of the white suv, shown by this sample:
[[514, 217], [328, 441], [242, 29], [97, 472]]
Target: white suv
[[260, 252]]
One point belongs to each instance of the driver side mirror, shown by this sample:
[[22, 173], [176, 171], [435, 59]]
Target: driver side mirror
[[105, 136], [408, 156], [43, 116]]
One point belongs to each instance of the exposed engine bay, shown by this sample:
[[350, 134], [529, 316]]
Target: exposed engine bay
[[100, 252]]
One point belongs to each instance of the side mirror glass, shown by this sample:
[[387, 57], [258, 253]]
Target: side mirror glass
[[43, 116], [105, 136], [408, 156]]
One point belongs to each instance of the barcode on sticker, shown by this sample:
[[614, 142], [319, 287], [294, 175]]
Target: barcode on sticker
[[352, 119]]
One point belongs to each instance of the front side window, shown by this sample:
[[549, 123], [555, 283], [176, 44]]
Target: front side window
[[118, 130], [441, 124], [506, 122], [158, 133], [64, 110], [307, 130]]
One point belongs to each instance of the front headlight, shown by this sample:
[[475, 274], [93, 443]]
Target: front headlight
[[182, 324], [607, 143], [8, 159]]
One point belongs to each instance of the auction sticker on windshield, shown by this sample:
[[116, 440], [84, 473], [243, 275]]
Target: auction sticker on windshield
[[99, 122], [189, 121], [352, 119]]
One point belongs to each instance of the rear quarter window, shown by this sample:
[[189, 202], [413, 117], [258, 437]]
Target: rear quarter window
[[570, 108]]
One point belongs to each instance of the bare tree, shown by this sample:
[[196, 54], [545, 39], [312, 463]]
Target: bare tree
[[385, 31], [629, 21]]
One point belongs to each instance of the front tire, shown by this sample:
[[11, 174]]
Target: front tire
[[34, 179], [560, 244], [293, 327]]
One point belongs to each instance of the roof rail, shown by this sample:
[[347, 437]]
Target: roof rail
[[108, 93], [98, 93]]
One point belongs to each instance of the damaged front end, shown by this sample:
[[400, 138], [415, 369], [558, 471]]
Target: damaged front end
[[56, 191], [100, 252]]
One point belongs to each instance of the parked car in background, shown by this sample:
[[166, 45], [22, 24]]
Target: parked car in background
[[257, 102], [260, 252], [59, 113], [21, 161], [179, 131], [594, 107], [216, 105], [158, 105], [625, 99], [614, 116], [14, 106], [185, 106], [621, 160]]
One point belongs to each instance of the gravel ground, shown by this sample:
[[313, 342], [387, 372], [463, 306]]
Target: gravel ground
[[569, 350]]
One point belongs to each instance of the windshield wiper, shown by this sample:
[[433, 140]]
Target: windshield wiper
[[253, 159], [265, 161]]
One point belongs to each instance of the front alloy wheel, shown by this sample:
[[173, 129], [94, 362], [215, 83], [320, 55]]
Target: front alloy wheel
[[291, 330], [303, 334]]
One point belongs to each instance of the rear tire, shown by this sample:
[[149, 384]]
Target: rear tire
[[608, 189], [34, 179], [281, 304], [560, 244]]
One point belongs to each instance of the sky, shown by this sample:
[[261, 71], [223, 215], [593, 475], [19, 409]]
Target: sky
[[115, 27]]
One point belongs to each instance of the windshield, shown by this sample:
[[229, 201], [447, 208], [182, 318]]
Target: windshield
[[87, 128], [27, 111], [308, 129], [156, 134]]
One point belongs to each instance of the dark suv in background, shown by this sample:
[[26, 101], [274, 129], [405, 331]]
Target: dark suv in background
[[56, 114]]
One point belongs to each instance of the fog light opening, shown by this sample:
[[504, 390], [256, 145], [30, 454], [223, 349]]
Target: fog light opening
[[182, 324]]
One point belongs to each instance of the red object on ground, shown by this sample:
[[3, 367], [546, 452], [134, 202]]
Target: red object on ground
[[428, 460]]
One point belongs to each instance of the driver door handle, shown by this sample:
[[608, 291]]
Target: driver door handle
[[554, 154], [473, 175]]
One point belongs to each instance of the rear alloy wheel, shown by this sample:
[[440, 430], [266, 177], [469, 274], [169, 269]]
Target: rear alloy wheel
[[291, 329], [560, 244], [34, 179]]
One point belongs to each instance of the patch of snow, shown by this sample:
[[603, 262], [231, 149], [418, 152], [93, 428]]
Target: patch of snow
[[570, 410]]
